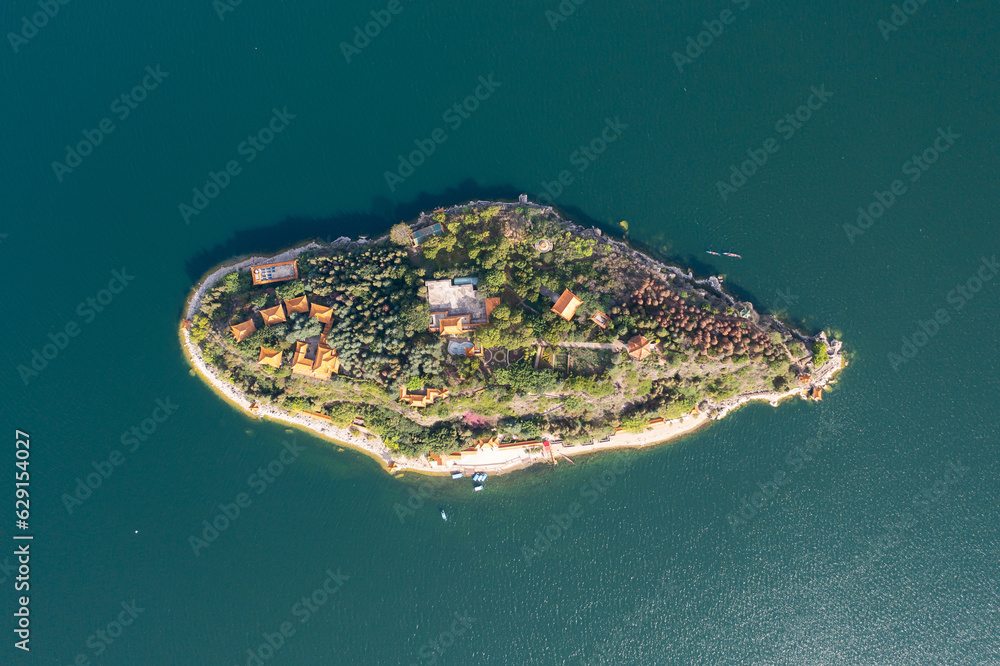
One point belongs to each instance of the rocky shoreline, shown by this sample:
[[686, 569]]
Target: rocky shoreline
[[373, 445]]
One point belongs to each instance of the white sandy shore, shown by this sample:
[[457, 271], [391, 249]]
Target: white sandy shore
[[492, 462]]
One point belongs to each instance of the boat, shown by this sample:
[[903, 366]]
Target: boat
[[457, 475], [478, 487], [444, 516], [713, 253], [730, 254]]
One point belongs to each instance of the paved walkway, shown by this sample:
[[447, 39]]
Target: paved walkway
[[617, 345]]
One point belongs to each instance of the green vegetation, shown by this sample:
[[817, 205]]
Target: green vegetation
[[380, 319], [820, 355]]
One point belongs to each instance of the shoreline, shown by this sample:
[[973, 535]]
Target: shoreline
[[514, 460]]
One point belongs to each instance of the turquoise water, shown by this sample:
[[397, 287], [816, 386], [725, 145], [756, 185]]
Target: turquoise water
[[880, 546]]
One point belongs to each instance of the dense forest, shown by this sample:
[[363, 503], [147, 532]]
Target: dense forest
[[524, 384]]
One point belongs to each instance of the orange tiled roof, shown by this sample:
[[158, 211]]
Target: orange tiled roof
[[567, 304], [639, 347], [321, 312], [243, 330], [490, 304], [274, 315], [270, 357], [452, 326], [327, 363], [817, 393], [300, 364], [297, 304], [421, 399], [600, 319]]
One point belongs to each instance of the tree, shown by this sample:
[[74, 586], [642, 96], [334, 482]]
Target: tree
[[400, 234], [522, 377], [820, 355]]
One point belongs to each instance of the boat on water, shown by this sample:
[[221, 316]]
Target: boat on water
[[716, 254], [479, 477], [730, 254], [457, 475], [444, 516], [477, 487]]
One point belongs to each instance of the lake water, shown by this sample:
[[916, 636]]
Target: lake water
[[879, 547]]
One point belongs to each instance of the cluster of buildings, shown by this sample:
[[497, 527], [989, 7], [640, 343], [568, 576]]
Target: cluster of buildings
[[324, 361]]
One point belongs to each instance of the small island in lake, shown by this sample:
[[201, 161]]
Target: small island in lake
[[489, 336]]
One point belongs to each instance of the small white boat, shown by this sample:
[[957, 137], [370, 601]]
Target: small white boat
[[444, 516], [478, 487], [457, 475]]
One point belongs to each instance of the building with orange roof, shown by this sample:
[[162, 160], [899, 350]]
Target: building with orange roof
[[601, 319], [243, 330], [300, 364], [323, 313], [453, 326], [421, 398], [567, 304], [455, 303], [270, 357], [326, 363], [639, 347], [817, 393], [275, 315], [276, 272], [297, 304]]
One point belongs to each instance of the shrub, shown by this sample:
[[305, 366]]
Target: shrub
[[635, 423]]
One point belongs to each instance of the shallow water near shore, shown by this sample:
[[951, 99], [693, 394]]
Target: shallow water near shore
[[879, 546]]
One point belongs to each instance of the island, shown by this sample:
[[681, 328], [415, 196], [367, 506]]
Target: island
[[489, 336]]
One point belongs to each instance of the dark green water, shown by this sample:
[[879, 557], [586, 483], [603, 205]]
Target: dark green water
[[874, 551]]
